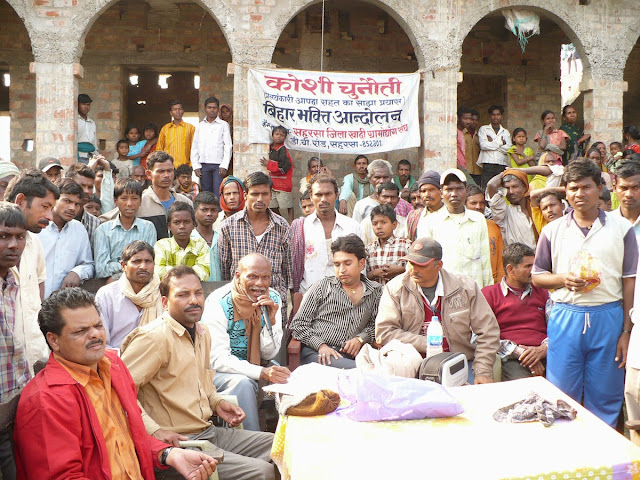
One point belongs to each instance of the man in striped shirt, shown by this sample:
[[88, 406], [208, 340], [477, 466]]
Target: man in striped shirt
[[337, 314], [176, 137]]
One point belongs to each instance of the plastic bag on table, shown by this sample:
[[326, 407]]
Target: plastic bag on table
[[585, 266], [379, 397]]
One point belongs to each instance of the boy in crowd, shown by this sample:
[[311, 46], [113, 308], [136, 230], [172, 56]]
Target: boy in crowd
[[306, 204], [122, 162], [111, 237], [177, 136], [186, 185], [212, 148], [207, 206], [181, 248], [280, 168], [66, 242], [605, 199], [384, 254], [93, 206]]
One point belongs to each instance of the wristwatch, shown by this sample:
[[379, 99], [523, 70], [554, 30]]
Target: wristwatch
[[360, 339], [164, 455]]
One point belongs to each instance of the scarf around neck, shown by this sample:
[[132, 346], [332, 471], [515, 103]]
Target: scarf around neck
[[244, 310], [149, 298], [357, 181]]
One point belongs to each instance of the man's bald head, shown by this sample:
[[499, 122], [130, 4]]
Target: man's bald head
[[254, 275], [253, 259]]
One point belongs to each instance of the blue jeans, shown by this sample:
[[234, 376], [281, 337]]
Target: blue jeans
[[581, 356], [210, 179]]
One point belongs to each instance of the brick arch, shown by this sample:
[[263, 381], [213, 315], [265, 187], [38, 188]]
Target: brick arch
[[409, 23], [21, 9], [84, 20], [576, 31], [631, 37]]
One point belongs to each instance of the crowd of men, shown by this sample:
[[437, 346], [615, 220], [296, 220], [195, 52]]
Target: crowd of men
[[524, 282]]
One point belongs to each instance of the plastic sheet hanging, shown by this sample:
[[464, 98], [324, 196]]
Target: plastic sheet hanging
[[522, 23]]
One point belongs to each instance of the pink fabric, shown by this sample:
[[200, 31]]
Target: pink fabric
[[462, 161]]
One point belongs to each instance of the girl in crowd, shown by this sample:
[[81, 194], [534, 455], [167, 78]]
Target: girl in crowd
[[520, 155], [631, 136], [595, 155], [576, 137], [550, 138], [132, 134], [231, 198], [150, 131]]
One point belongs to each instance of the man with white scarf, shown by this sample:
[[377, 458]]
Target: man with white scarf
[[133, 300]]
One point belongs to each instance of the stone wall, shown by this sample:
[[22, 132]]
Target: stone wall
[[19, 98], [131, 37], [358, 38], [248, 33]]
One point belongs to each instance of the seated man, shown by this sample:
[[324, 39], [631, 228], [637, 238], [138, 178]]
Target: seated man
[[65, 242], [181, 248], [134, 299], [233, 314], [410, 300], [336, 315], [79, 417], [520, 309], [111, 237], [169, 362]]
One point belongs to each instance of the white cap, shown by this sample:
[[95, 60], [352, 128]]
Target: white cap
[[452, 171]]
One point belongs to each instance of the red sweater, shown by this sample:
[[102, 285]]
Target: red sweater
[[280, 168], [521, 321], [57, 433]]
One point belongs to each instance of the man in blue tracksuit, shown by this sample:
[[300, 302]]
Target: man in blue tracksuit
[[589, 259]]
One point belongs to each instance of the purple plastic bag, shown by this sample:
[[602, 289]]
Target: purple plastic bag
[[382, 397]]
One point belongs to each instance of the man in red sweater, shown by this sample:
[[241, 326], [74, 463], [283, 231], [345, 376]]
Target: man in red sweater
[[519, 307], [79, 417]]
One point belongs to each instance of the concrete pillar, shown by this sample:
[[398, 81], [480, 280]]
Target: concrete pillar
[[603, 108], [56, 110], [440, 95], [246, 156]]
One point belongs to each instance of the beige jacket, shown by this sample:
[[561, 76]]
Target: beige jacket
[[464, 311]]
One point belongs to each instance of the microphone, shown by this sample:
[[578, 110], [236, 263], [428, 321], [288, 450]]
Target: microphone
[[267, 321]]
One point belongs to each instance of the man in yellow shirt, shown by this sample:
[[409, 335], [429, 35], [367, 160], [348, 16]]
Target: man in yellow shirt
[[169, 360], [176, 136]]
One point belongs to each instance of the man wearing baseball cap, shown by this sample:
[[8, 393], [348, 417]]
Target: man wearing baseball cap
[[51, 167], [469, 254], [425, 290], [429, 188], [87, 137]]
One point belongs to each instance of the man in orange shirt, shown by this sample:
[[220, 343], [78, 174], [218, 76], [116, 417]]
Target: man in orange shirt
[[477, 202], [176, 137], [79, 417]]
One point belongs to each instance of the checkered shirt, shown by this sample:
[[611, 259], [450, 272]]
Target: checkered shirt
[[387, 254], [237, 239], [14, 371]]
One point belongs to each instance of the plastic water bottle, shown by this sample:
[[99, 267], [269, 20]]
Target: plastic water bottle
[[434, 337]]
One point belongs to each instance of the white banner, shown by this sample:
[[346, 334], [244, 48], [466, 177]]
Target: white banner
[[332, 112]]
